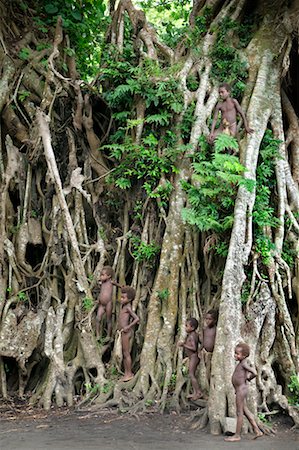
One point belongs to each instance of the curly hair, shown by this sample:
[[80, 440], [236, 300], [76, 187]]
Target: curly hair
[[214, 314], [225, 86], [109, 271], [130, 291], [244, 348], [193, 322]]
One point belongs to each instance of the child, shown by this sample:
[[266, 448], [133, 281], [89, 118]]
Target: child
[[229, 108], [242, 374], [191, 346], [208, 340], [105, 300], [126, 321]]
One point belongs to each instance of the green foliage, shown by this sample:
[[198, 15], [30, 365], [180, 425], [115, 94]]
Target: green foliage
[[24, 53], [221, 248], [294, 389], [187, 122], [22, 95], [263, 418], [22, 297], [87, 304], [245, 292], [212, 195], [84, 21], [289, 253], [226, 56], [92, 389], [142, 251], [265, 247], [161, 193], [126, 81], [163, 294], [264, 212], [169, 18], [172, 382], [141, 162], [202, 22]]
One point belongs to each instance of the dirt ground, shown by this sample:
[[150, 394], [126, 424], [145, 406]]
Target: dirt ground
[[61, 430]]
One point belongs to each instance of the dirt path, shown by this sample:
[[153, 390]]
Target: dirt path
[[114, 432]]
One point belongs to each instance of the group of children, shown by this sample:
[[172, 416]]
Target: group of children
[[196, 347]]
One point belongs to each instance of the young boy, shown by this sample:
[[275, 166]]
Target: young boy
[[242, 374], [191, 346], [126, 321], [208, 340], [105, 300], [229, 108]]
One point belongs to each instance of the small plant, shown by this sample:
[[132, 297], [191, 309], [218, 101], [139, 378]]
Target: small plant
[[33, 214], [113, 371], [142, 251], [212, 195], [87, 304], [148, 403], [92, 389], [23, 95], [172, 381], [263, 418], [265, 247], [106, 388], [24, 54], [22, 297], [245, 292], [102, 233], [294, 389], [163, 295]]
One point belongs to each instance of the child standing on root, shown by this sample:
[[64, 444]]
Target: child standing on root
[[105, 300], [242, 374], [229, 108], [126, 321], [208, 340], [191, 346]]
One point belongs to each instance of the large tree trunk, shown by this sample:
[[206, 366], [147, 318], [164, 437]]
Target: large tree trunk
[[61, 222]]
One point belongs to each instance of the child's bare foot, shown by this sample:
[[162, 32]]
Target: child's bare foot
[[127, 377], [233, 438], [258, 434]]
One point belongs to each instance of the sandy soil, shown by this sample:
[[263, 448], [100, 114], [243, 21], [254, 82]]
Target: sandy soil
[[63, 429]]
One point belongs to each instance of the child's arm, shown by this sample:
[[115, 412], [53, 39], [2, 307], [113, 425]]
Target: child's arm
[[241, 112], [212, 136], [200, 338], [134, 321], [115, 283], [192, 344], [251, 371]]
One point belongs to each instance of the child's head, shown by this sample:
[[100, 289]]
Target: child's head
[[242, 351], [211, 318], [224, 90], [127, 294], [191, 324], [106, 272]]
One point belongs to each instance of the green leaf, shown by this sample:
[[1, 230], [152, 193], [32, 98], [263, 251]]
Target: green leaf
[[51, 9], [123, 183], [225, 142]]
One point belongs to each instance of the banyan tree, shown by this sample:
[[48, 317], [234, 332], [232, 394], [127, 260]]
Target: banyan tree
[[115, 169]]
